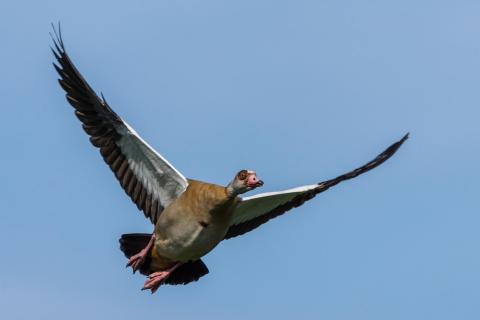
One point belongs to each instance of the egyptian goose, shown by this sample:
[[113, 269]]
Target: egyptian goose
[[190, 217]]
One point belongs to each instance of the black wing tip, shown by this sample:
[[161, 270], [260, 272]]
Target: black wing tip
[[57, 38], [394, 147]]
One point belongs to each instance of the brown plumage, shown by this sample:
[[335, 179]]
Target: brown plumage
[[187, 230], [202, 203]]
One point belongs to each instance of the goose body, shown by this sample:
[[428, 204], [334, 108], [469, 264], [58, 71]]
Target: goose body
[[190, 217], [195, 222]]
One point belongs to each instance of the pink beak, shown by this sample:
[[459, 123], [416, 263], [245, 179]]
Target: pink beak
[[253, 181]]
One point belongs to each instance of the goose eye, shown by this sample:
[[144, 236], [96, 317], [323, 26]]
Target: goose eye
[[242, 175]]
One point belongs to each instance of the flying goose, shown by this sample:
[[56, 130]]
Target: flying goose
[[190, 217]]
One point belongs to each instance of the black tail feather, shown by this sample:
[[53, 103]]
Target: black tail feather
[[133, 243], [188, 272]]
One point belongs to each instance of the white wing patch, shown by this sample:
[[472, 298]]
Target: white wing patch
[[260, 204], [150, 181], [160, 178]]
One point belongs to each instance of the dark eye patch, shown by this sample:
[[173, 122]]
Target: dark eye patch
[[242, 175]]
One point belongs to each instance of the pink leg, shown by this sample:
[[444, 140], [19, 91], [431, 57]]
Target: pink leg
[[137, 260], [157, 278]]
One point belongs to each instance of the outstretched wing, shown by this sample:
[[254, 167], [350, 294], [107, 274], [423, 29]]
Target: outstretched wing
[[256, 210], [150, 181]]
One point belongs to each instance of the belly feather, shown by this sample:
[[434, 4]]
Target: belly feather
[[189, 242]]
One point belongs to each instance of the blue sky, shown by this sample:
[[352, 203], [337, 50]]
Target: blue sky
[[299, 91]]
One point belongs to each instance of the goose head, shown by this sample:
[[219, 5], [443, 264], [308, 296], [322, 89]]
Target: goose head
[[244, 181]]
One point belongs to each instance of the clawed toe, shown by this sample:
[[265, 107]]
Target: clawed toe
[[155, 280], [136, 261]]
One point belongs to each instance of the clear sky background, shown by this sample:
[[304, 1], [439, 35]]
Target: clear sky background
[[299, 91]]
